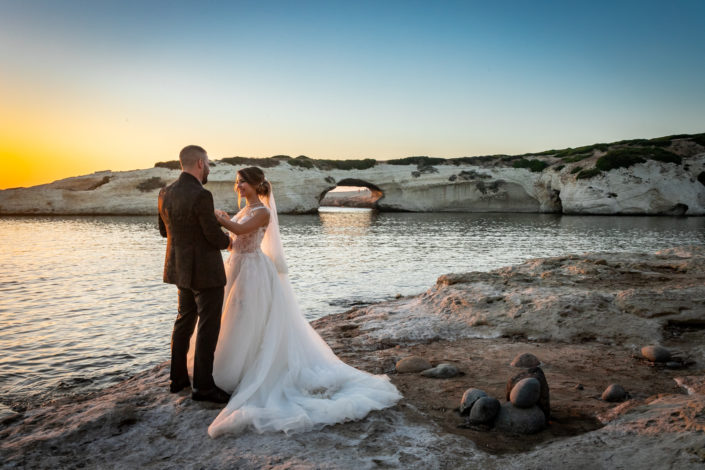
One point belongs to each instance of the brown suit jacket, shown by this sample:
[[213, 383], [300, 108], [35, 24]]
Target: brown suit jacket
[[194, 238]]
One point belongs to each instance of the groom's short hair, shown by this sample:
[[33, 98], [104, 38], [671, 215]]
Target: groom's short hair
[[190, 155]]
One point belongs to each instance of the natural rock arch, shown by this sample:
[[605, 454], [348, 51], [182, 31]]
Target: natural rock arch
[[377, 193]]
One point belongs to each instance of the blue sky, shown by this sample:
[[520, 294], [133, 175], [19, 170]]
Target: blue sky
[[95, 85]]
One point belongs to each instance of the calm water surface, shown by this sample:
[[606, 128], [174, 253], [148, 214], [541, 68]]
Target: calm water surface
[[82, 304]]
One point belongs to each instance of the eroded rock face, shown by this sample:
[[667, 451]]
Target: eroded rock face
[[648, 188], [568, 298]]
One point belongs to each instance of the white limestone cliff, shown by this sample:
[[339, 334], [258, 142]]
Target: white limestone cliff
[[650, 188]]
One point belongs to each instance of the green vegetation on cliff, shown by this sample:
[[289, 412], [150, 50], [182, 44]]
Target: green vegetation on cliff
[[305, 162], [536, 166], [628, 156], [621, 154]]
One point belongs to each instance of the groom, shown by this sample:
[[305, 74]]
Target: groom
[[194, 263]]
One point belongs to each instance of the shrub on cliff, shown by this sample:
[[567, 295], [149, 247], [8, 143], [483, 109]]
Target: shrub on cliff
[[260, 162], [579, 153], [534, 165], [171, 165], [620, 158], [301, 161], [345, 164], [628, 156], [477, 160], [666, 140], [421, 161], [151, 184], [586, 174]]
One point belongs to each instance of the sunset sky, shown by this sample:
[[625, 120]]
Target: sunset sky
[[95, 85]]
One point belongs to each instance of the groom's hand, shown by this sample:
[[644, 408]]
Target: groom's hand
[[221, 215]]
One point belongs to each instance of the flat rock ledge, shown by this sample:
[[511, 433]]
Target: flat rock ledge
[[585, 316]]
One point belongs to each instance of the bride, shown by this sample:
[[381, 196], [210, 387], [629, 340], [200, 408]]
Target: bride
[[282, 375]]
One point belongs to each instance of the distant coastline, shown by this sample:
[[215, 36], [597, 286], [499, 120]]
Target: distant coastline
[[661, 176]]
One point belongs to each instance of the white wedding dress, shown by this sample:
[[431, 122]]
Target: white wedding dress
[[282, 375]]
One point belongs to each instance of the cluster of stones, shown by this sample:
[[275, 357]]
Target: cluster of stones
[[656, 355], [527, 408]]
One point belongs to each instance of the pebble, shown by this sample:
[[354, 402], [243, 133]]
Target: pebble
[[525, 393], [656, 353], [525, 360], [412, 364], [544, 399], [614, 392], [441, 371], [520, 420], [484, 410], [470, 396]]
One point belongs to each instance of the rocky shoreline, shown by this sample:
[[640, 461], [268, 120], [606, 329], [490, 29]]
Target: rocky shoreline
[[585, 317]]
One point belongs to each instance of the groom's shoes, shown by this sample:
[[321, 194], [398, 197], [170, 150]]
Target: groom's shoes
[[214, 395], [176, 387]]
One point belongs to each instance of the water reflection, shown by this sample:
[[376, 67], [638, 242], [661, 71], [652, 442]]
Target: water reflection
[[349, 222]]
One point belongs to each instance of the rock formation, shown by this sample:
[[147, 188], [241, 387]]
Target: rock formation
[[570, 181]]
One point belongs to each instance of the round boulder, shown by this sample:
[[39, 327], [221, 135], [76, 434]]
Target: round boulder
[[441, 371], [526, 393], [544, 399], [656, 353], [484, 410], [614, 392], [520, 420], [470, 396], [525, 360], [412, 364]]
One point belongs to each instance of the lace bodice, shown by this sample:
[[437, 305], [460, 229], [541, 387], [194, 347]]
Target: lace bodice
[[248, 242]]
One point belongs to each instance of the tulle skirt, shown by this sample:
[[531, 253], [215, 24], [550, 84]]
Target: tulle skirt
[[282, 374]]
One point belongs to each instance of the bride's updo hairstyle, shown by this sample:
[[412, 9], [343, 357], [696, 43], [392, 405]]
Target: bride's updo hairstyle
[[254, 176]]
